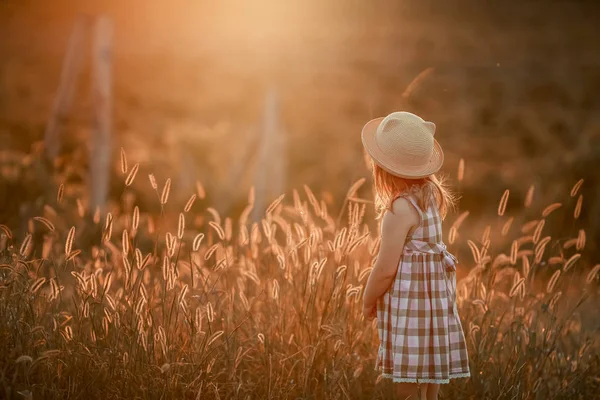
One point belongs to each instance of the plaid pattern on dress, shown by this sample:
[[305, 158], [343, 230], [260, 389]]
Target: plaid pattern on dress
[[420, 333]]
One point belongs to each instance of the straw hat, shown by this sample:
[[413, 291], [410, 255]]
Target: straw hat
[[402, 144]]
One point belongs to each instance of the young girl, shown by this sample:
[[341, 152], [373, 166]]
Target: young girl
[[412, 286]]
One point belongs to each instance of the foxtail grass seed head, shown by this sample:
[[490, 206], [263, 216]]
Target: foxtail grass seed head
[[593, 274], [215, 214], [69, 242], [49, 225], [577, 211], [61, 192], [581, 238], [538, 231], [571, 261], [474, 251], [452, 235], [132, 175], [80, 208], [123, 161], [200, 190], [529, 196], [355, 187], [152, 180], [576, 188], [503, 203], [275, 290], [26, 246], [181, 226], [190, 203], [108, 227], [217, 229], [274, 205], [461, 218], [506, 226], [461, 169], [549, 209], [37, 285], [210, 313], [164, 197], [416, 82], [125, 242], [135, 221], [552, 281], [228, 229], [197, 241], [516, 287], [96, 217]]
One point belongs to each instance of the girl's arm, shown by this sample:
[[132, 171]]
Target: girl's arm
[[394, 229]]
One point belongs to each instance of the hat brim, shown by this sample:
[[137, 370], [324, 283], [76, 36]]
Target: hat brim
[[395, 167]]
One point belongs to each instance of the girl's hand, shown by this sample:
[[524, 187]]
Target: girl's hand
[[369, 312]]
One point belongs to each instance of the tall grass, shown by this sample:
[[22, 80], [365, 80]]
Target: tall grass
[[271, 309]]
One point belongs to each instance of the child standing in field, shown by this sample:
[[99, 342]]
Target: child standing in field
[[412, 287]]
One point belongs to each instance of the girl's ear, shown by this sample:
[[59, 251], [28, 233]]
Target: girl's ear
[[431, 127]]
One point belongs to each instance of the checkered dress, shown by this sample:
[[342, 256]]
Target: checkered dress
[[421, 337]]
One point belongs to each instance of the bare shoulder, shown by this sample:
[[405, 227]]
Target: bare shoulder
[[404, 211]]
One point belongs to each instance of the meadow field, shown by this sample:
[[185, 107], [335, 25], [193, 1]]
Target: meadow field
[[188, 285], [223, 307]]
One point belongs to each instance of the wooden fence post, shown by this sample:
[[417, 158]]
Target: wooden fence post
[[100, 142], [64, 95]]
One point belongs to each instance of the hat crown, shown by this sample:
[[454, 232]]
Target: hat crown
[[406, 136]]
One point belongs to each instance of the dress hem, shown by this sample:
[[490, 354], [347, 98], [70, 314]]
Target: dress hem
[[397, 379]]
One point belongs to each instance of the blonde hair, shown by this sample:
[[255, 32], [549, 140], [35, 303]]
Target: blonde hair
[[388, 187]]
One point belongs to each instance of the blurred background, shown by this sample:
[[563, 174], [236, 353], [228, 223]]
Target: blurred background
[[198, 87]]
